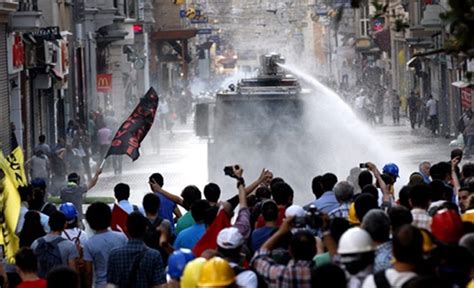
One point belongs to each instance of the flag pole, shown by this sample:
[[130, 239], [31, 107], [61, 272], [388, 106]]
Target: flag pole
[[102, 164]]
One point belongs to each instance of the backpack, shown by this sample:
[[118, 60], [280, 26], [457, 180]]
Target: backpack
[[80, 263], [152, 234], [49, 255], [152, 237]]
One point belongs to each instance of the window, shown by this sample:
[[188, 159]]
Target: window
[[364, 21]]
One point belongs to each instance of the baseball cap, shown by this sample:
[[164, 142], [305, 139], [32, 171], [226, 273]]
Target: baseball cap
[[230, 238]]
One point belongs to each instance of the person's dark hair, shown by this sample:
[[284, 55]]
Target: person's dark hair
[[42, 138], [25, 260], [151, 203], [377, 224], [211, 215], [190, 194], [32, 229], [363, 204], [328, 181], [57, 221], [439, 191], [468, 170], [303, 245], [456, 153], [371, 190], [136, 225], [122, 191], [420, 196], [158, 178], [440, 171], [282, 193], [407, 244], [404, 196], [26, 192], [198, 210], [269, 211], [263, 193], [317, 187], [73, 177], [62, 276], [99, 216], [276, 180], [212, 192], [337, 227], [328, 275], [454, 264], [399, 216], [365, 178], [388, 179]]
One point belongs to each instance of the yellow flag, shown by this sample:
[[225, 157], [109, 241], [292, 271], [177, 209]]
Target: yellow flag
[[14, 167], [9, 212]]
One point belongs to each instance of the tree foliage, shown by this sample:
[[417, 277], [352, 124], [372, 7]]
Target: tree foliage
[[461, 28]]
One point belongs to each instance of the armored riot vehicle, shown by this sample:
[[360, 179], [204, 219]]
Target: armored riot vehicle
[[257, 123]]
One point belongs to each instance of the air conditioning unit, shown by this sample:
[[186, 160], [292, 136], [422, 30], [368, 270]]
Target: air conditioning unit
[[47, 54]]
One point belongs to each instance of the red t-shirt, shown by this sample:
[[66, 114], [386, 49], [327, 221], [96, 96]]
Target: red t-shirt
[[40, 283], [281, 215]]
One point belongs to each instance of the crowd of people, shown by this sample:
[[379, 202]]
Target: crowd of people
[[358, 232]]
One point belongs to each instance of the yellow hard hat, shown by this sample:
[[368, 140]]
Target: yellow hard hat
[[216, 272], [353, 220], [192, 272]]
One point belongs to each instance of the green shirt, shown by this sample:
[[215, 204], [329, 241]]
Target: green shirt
[[184, 222], [322, 259]]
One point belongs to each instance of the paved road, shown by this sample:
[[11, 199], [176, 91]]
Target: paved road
[[183, 157]]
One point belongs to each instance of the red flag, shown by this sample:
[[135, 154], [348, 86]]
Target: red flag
[[129, 136], [119, 219], [209, 239]]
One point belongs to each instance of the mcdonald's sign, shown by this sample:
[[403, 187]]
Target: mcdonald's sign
[[104, 83]]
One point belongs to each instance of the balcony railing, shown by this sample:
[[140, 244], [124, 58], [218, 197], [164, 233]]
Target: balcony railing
[[28, 5]]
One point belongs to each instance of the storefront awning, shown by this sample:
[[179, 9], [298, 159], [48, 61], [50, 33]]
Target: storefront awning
[[461, 84]]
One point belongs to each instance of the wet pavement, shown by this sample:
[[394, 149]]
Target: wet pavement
[[182, 159]]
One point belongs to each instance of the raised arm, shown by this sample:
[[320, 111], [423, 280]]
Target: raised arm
[[382, 185], [155, 187], [94, 179]]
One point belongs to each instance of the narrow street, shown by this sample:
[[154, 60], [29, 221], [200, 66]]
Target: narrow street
[[183, 159]]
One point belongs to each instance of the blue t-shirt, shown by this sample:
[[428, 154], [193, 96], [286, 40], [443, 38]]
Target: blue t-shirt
[[166, 209], [260, 235], [97, 250], [189, 236]]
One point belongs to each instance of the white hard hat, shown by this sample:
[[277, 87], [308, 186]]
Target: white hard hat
[[294, 211], [355, 240]]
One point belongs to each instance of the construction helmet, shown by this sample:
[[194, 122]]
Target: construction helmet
[[391, 169], [446, 226], [192, 273], [428, 243], [216, 272], [355, 240], [353, 220], [177, 261], [69, 210]]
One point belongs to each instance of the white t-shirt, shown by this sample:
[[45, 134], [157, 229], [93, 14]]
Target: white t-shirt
[[73, 233], [431, 105], [246, 279], [395, 278]]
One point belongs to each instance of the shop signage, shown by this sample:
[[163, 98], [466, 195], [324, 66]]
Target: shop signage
[[16, 53], [48, 33], [204, 31], [466, 99], [104, 83]]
